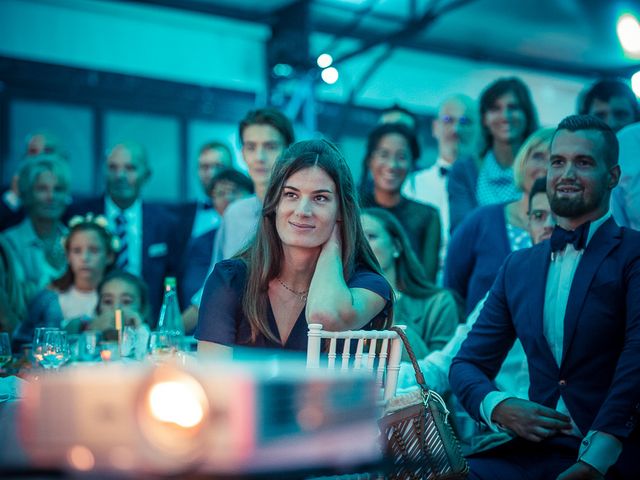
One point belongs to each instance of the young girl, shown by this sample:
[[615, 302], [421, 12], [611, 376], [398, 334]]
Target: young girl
[[126, 292], [70, 301], [121, 290]]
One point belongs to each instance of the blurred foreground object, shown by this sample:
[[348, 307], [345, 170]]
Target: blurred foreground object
[[221, 417]]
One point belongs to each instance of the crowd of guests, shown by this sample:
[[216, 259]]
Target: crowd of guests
[[534, 327]]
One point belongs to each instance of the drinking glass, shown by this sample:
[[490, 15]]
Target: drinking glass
[[5, 349], [161, 346], [89, 341], [109, 351], [55, 349], [128, 340], [38, 339]]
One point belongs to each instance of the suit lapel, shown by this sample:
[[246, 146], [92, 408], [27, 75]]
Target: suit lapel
[[602, 242], [537, 274]]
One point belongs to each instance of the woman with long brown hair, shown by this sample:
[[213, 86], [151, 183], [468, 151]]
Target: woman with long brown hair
[[430, 313], [309, 262]]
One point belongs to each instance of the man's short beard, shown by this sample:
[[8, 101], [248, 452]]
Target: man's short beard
[[573, 208]]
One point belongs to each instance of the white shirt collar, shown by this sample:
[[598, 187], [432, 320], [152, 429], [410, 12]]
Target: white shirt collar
[[442, 163], [112, 210], [595, 225]]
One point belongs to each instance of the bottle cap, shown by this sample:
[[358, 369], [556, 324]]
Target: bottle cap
[[170, 282]]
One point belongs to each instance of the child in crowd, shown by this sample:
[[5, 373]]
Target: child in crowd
[[69, 301], [126, 292]]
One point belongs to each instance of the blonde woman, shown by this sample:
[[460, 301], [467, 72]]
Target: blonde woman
[[485, 238]]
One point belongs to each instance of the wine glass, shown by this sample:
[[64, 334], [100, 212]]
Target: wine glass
[[161, 346], [55, 349], [5, 349], [38, 339]]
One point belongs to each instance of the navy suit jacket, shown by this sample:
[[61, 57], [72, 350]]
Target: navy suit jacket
[[599, 375], [160, 242]]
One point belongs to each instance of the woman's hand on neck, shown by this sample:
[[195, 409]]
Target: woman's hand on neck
[[298, 267]]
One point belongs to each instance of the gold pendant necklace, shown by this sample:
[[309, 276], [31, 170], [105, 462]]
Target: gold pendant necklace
[[302, 295]]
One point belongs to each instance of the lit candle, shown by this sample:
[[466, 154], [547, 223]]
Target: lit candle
[[105, 355], [118, 320]]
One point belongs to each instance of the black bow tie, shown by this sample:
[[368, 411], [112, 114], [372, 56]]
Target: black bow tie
[[444, 171], [560, 237], [206, 205]]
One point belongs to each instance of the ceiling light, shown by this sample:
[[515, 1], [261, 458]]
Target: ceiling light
[[629, 33], [635, 83], [330, 75], [324, 60]]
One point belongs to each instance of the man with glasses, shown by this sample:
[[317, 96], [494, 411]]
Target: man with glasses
[[455, 129]]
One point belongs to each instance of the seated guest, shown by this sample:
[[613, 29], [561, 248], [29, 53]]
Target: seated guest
[[11, 211], [574, 304], [485, 238], [392, 150], [227, 186], [625, 199], [43, 184], [199, 217], [14, 291], [121, 290], [431, 314], [70, 301], [147, 232], [513, 376], [455, 130], [308, 262], [508, 117], [264, 134], [612, 101]]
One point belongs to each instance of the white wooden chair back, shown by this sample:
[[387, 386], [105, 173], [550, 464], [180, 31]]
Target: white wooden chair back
[[388, 354]]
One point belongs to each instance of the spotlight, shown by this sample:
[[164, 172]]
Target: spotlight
[[635, 83], [629, 33], [324, 60], [330, 75]]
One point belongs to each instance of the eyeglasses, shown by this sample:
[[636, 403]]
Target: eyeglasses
[[450, 120]]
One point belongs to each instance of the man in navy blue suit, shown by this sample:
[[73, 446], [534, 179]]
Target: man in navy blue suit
[[574, 303], [147, 231]]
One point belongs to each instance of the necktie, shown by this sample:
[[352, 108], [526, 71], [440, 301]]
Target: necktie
[[121, 231], [444, 171], [560, 237]]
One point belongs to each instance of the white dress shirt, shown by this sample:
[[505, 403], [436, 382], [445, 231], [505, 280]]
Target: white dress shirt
[[238, 227], [133, 214], [206, 219], [598, 449], [429, 186]]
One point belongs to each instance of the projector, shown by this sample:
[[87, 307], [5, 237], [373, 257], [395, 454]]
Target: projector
[[222, 417]]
